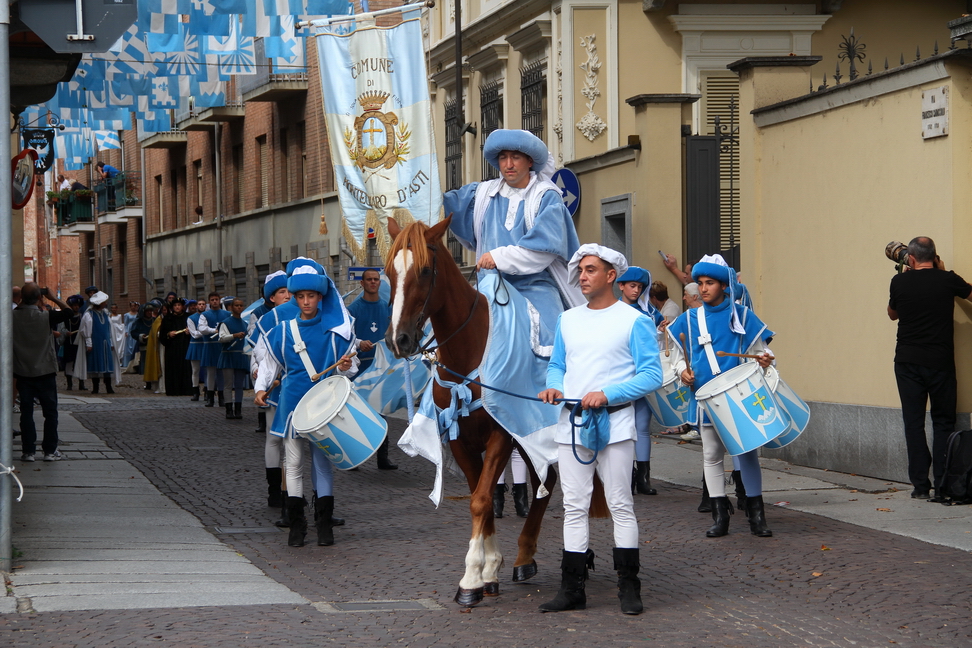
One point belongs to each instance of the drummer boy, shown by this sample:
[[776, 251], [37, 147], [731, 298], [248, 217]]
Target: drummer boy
[[325, 330], [731, 328]]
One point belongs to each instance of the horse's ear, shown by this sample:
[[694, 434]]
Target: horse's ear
[[393, 228], [436, 232]]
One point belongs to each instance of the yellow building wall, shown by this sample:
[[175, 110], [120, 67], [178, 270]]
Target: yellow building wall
[[831, 190]]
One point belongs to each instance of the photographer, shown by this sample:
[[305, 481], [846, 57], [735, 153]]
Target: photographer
[[922, 302], [35, 367]]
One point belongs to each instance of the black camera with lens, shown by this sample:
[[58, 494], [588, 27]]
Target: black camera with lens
[[897, 252]]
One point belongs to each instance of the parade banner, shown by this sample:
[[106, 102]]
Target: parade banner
[[379, 122]]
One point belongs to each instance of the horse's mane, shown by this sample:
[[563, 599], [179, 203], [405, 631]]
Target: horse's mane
[[412, 238]]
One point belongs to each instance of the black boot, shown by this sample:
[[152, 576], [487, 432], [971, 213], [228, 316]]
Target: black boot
[[643, 479], [261, 422], [521, 500], [229, 410], [108, 389], [757, 518], [705, 506], [210, 397], [741, 499], [95, 385], [81, 386], [274, 498], [383, 463], [721, 510], [195, 397], [298, 523], [498, 500], [571, 595], [70, 382], [238, 410], [221, 395], [323, 510], [627, 564], [284, 520]]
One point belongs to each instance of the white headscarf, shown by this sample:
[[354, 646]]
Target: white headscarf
[[613, 257]]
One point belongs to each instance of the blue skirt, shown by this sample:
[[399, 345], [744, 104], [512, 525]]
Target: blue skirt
[[234, 360]]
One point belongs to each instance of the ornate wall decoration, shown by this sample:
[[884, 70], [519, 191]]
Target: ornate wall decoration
[[558, 127], [590, 125]]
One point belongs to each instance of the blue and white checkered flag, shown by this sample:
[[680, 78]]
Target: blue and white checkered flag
[[383, 383], [107, 140]]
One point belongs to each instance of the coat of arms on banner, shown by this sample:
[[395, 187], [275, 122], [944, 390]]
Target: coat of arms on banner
[[379, 118]]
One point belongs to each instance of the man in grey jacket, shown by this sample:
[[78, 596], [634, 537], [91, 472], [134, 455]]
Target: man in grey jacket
[[35, 367]]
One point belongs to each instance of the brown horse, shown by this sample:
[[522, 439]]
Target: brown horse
[[426, 284]]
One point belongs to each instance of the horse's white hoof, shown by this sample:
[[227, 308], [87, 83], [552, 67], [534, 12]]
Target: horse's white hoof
[[470, 597]]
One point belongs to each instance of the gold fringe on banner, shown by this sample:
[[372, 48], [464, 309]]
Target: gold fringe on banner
[[359, 249]]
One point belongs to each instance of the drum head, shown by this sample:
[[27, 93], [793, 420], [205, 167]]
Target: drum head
[[321, 403]]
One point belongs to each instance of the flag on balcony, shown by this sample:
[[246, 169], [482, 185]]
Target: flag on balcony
[[379, 121], [107, 139]]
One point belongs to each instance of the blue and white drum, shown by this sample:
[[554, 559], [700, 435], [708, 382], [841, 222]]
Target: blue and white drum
[[796, 408], [743, 409], [670, 403], [332, 416]]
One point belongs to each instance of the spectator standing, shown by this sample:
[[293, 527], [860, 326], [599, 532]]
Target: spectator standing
[[108, 174], [658, 294], [63, 184], [35, 367], [69, 331], [922, 302], [174, 337]]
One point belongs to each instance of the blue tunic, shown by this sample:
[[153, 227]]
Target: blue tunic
[[232, 356], [99, 359], [552, 232], [211, 346], [371, 319], [324, 347], [195, 351]]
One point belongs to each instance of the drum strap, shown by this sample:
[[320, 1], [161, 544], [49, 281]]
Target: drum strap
[[705, 340], [301, 349]]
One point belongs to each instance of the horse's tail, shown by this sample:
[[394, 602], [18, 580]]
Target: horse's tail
[[599, 507]]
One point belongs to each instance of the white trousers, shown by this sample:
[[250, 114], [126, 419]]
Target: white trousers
[[613, 466], [272, 449], [713, 456], [195, 372], [294, 465], [519, 468]]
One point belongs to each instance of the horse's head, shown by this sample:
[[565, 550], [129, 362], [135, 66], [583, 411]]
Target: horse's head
[[414, 262]]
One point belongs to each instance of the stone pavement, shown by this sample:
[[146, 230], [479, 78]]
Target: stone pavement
[[389, 579]]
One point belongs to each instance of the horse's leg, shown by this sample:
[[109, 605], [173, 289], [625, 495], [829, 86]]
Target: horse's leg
[[525, 566], [483, 551]]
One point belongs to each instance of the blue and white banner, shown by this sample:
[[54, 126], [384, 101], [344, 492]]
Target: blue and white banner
[[379, 118], [383, 383]]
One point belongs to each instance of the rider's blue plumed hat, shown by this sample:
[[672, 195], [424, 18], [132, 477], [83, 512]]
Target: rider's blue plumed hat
[[515, 140]]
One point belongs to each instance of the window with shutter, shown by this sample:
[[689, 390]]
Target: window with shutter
[[720, 91]]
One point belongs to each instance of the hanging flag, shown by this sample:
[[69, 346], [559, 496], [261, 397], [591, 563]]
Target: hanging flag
[[379, 121], [328, 8], [107, 140]]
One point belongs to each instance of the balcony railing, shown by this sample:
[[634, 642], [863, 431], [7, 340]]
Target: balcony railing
[[124, 190], [73, 209]]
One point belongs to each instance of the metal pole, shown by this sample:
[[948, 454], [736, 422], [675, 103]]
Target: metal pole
[[219, 199], [460, 112], [6, 300]]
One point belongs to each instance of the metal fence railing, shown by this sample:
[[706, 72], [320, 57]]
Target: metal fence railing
[[124, 190]]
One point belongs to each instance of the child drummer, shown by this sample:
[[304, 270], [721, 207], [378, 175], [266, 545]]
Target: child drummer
[[731, 328], [328, 338]]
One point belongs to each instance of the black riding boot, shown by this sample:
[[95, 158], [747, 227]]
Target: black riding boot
[[238, 410], [705, 506], [221, 396], [757, 518], [323, 511], [643, 479], [627, 564], [742, 502], [284, 520], [273, 487], [195, 397], [498, 500], [721, 510], [571, 595], [70, 382], [298, 523], [261, 422], [108, 389], [81, 386], [210, 397], [521, 500], [383, 463], [229, 411], [95, 385]]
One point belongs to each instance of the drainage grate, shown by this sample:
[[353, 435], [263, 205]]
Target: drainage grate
[[232, 530], [417, 605]]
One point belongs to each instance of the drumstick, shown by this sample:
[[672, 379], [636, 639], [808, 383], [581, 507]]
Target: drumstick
[[738, 355], [666, 344], [688, 351], [317, 377]]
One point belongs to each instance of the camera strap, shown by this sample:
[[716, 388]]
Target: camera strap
[[705, 341]]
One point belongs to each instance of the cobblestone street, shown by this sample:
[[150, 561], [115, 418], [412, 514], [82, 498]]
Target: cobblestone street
[[817, 582]]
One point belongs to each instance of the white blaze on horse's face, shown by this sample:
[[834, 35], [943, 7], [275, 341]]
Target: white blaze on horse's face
[[402, 264]]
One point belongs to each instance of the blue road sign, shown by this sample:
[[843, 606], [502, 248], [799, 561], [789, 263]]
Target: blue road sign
[[566, 180]]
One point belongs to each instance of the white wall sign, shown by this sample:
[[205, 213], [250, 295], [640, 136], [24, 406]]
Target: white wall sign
[[934, 112]]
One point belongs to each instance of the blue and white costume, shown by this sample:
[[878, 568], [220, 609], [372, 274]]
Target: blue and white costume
[[233, 361], [371, 319], [95, 333], [208, 327]]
